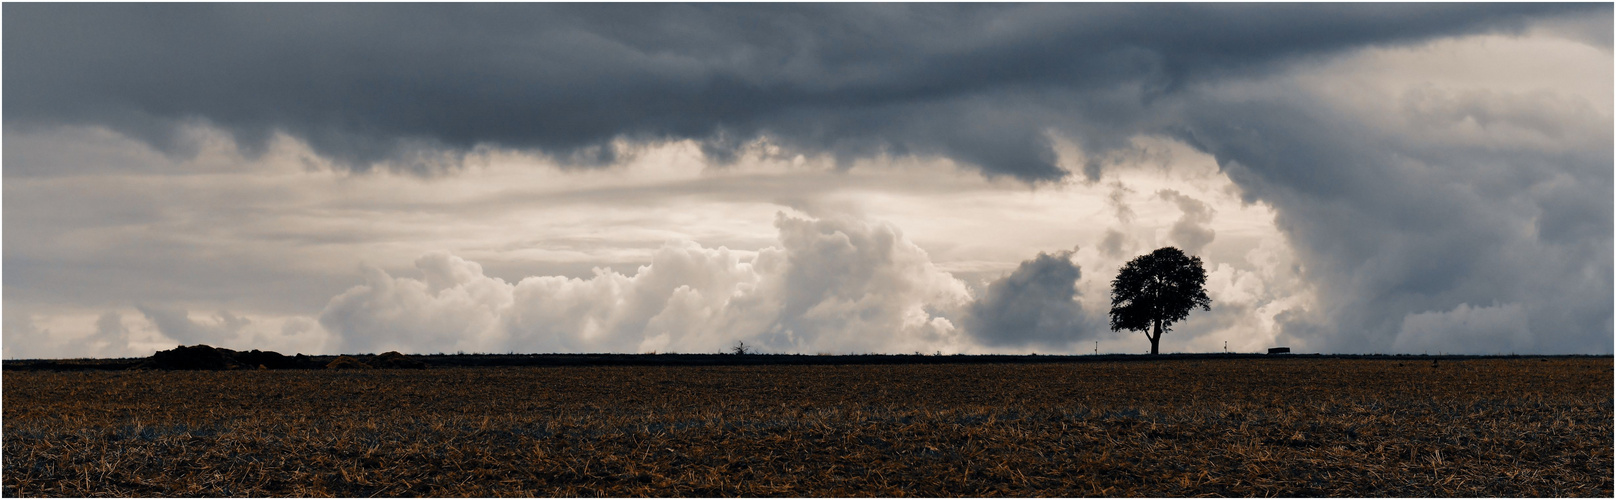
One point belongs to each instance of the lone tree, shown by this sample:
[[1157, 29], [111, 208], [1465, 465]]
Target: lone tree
[[1154, 291]]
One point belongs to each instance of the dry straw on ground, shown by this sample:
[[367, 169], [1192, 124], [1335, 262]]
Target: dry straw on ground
[[1492, 427]]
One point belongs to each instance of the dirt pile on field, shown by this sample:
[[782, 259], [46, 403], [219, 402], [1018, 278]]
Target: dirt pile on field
[[206, 357], [395, 359], [266, 359], [197, 357], [347, 363]]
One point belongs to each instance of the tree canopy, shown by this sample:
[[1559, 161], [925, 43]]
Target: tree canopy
[[1154, 291]]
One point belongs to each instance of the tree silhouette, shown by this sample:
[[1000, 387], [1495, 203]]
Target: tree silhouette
[[1154, 291]]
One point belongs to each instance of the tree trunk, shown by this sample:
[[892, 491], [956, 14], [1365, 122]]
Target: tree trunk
[[1155, 340]]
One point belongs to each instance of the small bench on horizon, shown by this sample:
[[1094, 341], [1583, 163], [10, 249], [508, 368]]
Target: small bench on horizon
[[1279, 350]]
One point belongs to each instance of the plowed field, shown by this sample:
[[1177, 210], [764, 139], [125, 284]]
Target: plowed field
[[1286, 427]]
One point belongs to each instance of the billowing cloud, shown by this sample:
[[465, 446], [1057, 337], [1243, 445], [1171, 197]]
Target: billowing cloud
[[834, 284], [1417, 199], [413, 87], [178, 325], [29, 334], [1036, 305], [1412, 167], [1190, 232], [453, 308]]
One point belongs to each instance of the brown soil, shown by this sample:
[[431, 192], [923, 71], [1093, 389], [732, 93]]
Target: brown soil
[[394, 359], [347, 363]]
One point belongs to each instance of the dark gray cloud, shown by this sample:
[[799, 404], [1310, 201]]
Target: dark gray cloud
[[177, 324], [1036, 305], [412, 85], [1416, 240], [1411, 234]]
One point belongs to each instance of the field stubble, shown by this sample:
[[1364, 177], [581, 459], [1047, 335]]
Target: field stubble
[[1486, 427]]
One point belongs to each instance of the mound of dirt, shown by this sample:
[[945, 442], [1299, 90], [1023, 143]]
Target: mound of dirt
[[206, 357], [346, 363], [394, 359], [197, 357], [267, 359]]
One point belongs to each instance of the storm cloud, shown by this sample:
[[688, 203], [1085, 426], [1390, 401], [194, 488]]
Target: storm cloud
[[414, 87], [1399, 221], [1035, 305], [1439, 175]]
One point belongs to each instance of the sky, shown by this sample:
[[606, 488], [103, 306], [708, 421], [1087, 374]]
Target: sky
[[804, 178]]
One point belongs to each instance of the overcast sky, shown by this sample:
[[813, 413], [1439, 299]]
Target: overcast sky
[[841, 178]]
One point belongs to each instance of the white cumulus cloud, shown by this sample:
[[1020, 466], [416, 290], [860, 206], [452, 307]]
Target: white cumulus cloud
[[834, 284]]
